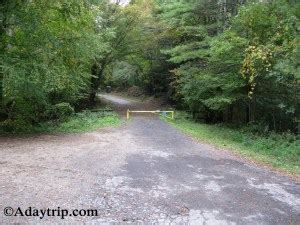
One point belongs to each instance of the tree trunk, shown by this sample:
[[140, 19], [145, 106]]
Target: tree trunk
[[97, 72]]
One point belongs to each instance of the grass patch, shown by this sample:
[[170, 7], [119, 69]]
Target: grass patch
[[279, 151], [79, 122]]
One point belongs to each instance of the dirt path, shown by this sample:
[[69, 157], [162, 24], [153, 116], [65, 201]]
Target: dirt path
[[144, 170]]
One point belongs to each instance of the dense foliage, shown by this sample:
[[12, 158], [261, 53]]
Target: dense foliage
[[236, 61], [47, 51], [233, 61]]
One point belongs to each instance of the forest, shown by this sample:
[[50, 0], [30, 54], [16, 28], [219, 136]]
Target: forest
[[150, 112], [229, 61]]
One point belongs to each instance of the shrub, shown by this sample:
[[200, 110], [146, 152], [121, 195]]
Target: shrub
[[15, 126], [63, 110]]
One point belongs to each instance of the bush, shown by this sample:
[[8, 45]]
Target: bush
[[63, 110], [14, 126]]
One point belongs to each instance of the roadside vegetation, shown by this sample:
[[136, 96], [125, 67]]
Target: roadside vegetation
[[281, 151], [233, 62], [77, 123]]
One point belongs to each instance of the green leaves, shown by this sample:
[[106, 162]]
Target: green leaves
[[229, 56], [229, 60], [186, 52], [47, 55]]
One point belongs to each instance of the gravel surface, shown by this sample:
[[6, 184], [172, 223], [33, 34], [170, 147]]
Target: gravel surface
[[143, 171]]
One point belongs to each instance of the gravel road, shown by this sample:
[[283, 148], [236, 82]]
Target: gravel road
[[143, 171]]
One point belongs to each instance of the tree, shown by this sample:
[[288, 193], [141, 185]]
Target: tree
[[47, 50], [236, 61]]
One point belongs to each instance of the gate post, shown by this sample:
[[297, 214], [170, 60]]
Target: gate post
[[128, 114]]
